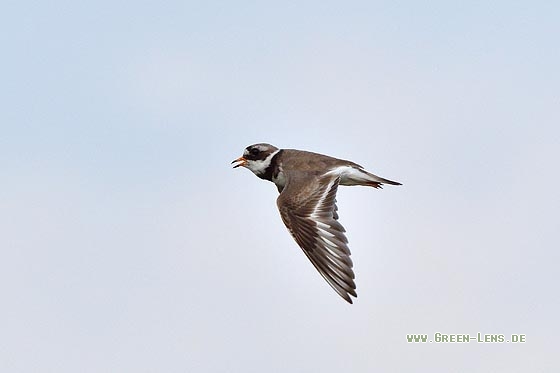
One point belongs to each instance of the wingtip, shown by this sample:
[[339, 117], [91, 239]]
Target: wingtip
[[347, 293], [348, 299]]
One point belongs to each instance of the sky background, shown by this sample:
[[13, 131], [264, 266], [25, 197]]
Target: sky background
[[128, 244]]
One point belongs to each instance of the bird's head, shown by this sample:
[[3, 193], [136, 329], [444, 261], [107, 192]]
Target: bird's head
[[256, 158]]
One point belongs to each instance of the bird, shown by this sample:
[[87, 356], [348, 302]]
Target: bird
[[308, 183]]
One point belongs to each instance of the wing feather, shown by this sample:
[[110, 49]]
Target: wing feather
[[308, 209]]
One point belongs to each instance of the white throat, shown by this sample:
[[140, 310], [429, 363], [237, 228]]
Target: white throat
[[259, 167]]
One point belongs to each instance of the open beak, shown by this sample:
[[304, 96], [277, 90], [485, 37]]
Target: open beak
[[242, 162]]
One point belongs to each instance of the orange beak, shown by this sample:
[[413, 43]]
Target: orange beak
[[242, 162]]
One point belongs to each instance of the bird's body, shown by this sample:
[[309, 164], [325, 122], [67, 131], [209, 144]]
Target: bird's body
[[308, 183]]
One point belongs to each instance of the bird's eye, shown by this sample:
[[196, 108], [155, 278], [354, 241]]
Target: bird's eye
[[255, 151]]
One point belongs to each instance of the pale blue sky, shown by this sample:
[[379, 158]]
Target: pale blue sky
[[128, 244]]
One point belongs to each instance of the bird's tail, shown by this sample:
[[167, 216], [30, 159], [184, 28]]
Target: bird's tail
[[358, 176]]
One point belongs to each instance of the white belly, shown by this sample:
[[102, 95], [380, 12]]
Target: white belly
[[279, 180]]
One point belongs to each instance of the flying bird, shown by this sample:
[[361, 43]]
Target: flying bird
[[307, 183]]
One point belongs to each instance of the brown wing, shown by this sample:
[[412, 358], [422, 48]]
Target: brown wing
[[308, 208]]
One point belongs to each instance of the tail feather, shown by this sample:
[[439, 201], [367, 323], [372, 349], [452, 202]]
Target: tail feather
[[380, 180], [358, 176]]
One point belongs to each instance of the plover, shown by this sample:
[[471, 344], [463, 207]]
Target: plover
[[307, 183]]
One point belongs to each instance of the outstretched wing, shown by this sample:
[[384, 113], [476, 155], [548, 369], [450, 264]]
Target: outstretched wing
[[308, 209]]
